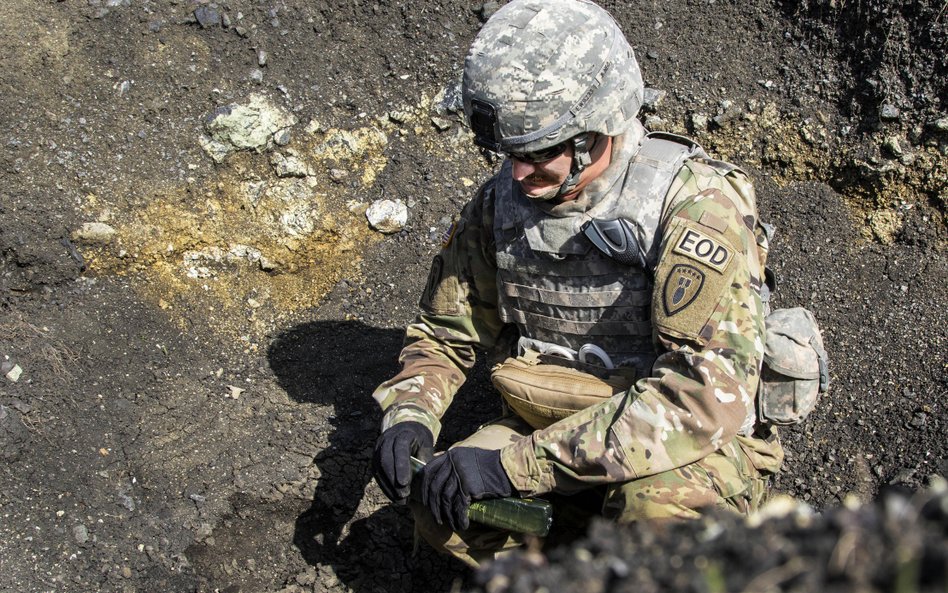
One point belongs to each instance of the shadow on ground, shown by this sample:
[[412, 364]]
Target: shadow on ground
[[349, 532]]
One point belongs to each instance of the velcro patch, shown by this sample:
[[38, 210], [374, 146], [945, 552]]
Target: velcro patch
[[702, 248], [681, 288], [713, 222], [692, 276], [442, 292]]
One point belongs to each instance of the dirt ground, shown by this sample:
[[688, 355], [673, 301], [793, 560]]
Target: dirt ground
[[188, 346]]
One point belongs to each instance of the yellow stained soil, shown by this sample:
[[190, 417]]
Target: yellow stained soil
[[247, 247]]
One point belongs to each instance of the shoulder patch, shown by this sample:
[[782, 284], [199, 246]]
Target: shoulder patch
[[692, 276], [442, 295], [694, 244], [681, 288]]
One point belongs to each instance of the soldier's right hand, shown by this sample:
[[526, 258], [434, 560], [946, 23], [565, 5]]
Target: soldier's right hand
[[392, 461]]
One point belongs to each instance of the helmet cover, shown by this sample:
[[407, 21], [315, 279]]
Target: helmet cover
[[541, 72]]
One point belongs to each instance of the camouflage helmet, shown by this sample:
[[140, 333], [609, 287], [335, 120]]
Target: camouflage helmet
[[542, 71]]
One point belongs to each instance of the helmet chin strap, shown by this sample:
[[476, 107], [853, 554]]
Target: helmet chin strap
[[581, 160]]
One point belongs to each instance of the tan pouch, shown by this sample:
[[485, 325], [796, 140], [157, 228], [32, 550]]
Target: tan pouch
[[541, 393]]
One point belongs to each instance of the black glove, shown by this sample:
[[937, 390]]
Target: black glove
[[451, 481], [392, 451]]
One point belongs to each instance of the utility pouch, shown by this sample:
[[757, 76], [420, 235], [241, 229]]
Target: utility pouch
[[541, 393], [795, 370]]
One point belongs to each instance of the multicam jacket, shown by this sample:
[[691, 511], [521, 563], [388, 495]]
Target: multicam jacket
[[708, 327]]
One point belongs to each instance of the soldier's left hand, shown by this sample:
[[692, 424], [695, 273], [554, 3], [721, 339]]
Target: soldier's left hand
[[451, 481]]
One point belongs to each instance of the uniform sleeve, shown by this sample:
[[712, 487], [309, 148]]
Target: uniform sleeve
[[459, 315], [708, 321]]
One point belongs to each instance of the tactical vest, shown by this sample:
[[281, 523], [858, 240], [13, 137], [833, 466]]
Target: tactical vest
[[566, 297]]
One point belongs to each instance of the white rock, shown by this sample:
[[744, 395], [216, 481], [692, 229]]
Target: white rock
[[699, 122], [400, 116], [248, 126], [655, 124], [653, 98], [298, 222], [238, 251], [95, 232], [14, 374], [267, 265], [80, 533], [290, 165], [441, 123], [387, 216]]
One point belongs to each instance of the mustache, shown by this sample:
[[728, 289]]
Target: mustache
[[539, 177]]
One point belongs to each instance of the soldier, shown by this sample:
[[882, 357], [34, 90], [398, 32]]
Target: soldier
[[619, 272]]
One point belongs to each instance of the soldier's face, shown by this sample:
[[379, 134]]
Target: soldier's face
[[541, 181]]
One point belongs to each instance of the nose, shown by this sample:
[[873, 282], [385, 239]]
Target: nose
[[522, 170]]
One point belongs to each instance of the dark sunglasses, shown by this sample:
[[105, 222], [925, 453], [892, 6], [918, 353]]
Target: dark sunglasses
[[539, 156], [543, 155]]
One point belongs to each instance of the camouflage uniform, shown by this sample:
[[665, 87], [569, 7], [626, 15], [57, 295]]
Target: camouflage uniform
[[670, 444], [683, 436]]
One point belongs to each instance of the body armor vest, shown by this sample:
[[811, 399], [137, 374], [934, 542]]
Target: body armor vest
[[564, 295]]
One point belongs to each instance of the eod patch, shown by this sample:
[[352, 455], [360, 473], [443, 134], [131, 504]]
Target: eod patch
[[693, 273], [700, 247]]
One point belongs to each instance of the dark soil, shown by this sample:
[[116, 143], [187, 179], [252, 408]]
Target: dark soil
[[172, 431], [896, 544]]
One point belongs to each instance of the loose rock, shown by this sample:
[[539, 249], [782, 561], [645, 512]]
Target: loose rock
[[94, 232], [655, 124], [699, 122], [441, 124], [653, 98], [399, 116], [290, 165], [889, 112], [338, 175], [282, 138], [80, 533], [893, 146], [13, 374], [448, 101], [387, 216], [254, 125], [207, 17], [729, 112]]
